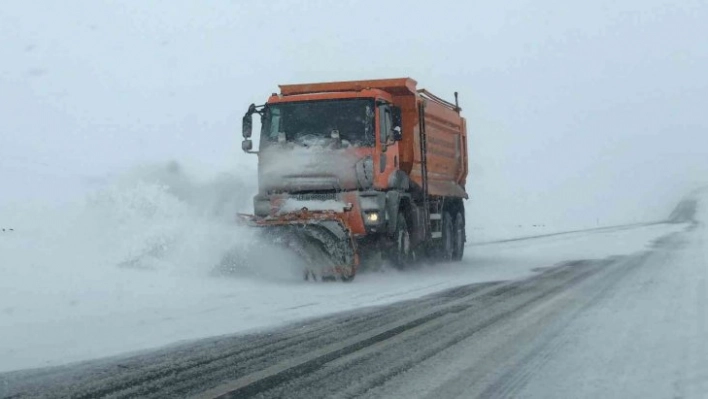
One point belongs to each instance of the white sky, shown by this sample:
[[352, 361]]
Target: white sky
[[576, 112]]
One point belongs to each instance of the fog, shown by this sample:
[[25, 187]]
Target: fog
[[578, 114]]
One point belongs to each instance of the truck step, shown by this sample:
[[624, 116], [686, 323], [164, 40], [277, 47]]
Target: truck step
[[436, 234], [435, 216]]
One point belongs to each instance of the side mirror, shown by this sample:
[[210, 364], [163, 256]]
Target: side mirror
[[396, 133], [247, 126], [396, 116], [247, 145]]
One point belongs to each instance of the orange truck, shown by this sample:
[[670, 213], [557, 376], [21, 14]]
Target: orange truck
[[354, 171]]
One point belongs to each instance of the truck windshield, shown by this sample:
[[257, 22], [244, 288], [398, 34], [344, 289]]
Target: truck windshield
[[313, 122]]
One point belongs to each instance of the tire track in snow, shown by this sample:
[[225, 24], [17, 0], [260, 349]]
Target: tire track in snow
[[354, 354]]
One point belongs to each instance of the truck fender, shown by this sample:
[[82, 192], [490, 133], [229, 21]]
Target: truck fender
[[399, 180]]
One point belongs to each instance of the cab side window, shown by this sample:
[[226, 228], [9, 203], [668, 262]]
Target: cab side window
[[386, 122]]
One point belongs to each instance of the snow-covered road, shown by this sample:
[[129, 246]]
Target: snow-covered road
[[645, 337], [129, 268], [61, 318], [627, 326], [617, 312]]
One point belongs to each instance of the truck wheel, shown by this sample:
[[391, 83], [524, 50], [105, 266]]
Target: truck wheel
[[448, 237], [402, 251], [458, 248]]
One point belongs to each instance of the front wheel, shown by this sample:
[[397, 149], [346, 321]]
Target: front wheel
[[401, 255], [448, 237], [458, 247], [347, 278]]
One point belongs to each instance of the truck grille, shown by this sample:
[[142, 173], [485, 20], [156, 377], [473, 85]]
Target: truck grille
[[315, 196]]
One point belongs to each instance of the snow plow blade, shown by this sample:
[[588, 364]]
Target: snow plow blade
[[321, 238]]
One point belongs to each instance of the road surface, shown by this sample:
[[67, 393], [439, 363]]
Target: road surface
[[629, 326]]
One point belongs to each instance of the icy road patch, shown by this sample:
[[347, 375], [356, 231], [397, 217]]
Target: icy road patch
[[130, 268]]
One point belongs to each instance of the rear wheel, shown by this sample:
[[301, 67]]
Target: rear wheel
[[448, 235], [401, 255], [458, 248]]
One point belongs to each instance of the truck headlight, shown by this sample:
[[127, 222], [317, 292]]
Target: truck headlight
[[372, 217]]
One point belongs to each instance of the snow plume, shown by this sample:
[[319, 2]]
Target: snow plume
[[131, 265], [156, 217]]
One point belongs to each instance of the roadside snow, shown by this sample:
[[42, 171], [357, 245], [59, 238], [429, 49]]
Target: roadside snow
[[636, 330], [648, 332]]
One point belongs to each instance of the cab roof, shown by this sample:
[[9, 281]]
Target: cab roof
[[396, 87]]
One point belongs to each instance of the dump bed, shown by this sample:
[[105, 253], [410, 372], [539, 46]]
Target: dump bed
[[445, 144]]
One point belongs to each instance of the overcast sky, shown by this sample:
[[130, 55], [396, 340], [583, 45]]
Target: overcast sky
[[576, 112]]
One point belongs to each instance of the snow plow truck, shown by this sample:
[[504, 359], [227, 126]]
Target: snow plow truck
[[357, 170]]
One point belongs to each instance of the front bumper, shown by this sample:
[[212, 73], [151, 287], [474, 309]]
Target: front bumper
[[364, 211]]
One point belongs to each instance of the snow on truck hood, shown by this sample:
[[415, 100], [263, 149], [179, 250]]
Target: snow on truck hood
[[311, 168]]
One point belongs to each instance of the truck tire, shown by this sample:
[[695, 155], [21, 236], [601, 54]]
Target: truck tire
[[458, 248], [348, 278], [448, 237], [401, 254]]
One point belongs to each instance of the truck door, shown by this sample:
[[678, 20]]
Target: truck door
[[387, 160]]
